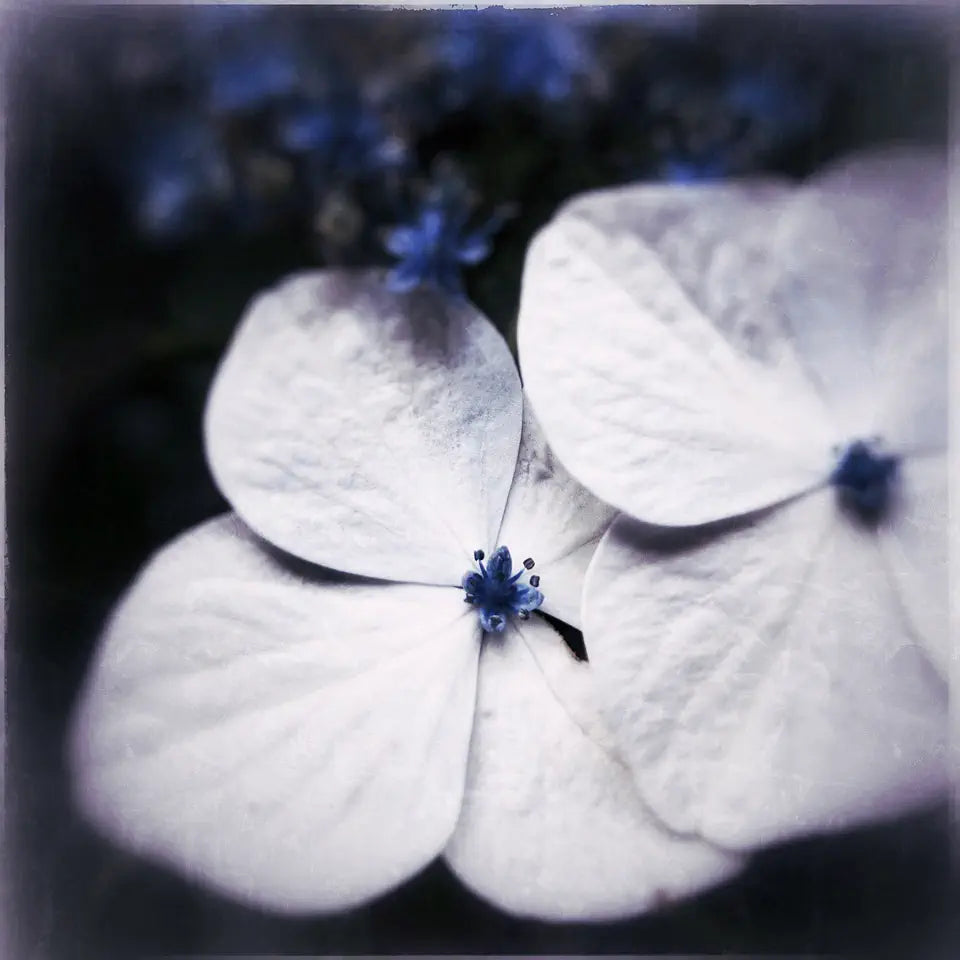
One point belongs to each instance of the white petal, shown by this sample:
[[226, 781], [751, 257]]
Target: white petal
[[653, 358], [914, 542], [912, 360], [552, 826], [863, 290], [553, 519], [764, 684], [298, 744], [369, 431]]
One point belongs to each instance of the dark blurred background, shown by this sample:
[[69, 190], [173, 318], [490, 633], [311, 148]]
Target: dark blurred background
[[164, 163]]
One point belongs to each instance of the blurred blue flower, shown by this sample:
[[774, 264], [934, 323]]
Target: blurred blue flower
[[671, 20], [679, 169], [434, 247], [541, 59], [176, 174], [511, 54], [209, 21], [782, 106], [275, 126], [249, 56], [344, 137], [249, 78], [732, 120]]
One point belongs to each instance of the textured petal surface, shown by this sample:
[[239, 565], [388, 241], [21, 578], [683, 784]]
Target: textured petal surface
[[298, 744], [653, 357], [863, 292], [368, 431], [914, 544], [553, 519], [552, 826], [912, 364], [764, 683]]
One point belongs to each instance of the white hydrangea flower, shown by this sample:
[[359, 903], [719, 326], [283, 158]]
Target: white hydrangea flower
[[306, 738], [763, 363]]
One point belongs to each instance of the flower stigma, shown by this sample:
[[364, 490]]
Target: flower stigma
[[496, 591], [864, 479]]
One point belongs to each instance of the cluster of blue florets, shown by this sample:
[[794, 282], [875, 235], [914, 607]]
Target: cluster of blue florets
[[258, 116]]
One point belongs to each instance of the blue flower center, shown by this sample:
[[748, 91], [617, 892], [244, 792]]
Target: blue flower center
[[864, 479], [496, 591]]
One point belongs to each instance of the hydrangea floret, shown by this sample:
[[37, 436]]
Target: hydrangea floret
[[762, 367], [294, 705]]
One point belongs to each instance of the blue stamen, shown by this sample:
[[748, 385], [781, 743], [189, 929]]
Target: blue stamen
[[864, 479], [498, 595]]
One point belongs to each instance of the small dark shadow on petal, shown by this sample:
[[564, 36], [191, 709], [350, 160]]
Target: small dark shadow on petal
[[428, 315], [666, 541], [333, 290], [304, 569], [572, 637]]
